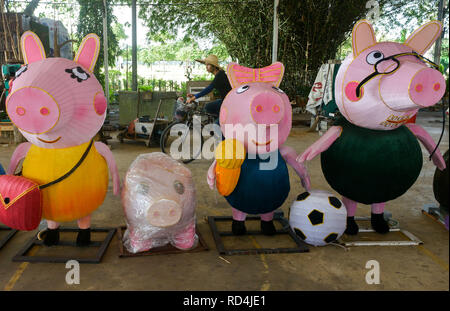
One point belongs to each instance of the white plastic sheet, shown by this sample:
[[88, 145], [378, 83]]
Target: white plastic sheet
[[159, 202]]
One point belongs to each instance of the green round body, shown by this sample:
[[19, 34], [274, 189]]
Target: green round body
[[441, 184], [372, 166]]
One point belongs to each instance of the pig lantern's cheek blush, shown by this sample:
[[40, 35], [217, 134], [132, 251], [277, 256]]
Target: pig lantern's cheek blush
[[350, 91]]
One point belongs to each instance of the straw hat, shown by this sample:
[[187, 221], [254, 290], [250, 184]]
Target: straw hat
[[210, 59]]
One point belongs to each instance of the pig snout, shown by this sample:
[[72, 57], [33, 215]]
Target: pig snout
[[164, 213], [427, 87], [412, 87], [267, 108], [33, 110]]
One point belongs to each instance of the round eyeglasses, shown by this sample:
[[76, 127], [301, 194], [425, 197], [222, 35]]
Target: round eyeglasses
[[379, 71]]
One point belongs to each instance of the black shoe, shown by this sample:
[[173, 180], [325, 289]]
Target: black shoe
[[352, 226], [268, 228], [84, 237], [238, 227], [51, 237], [378, 223]]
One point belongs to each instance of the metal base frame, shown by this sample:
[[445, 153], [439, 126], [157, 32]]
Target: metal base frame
[[413, 240], [8, 236], [278, 216], [163, 250], [103, 245], [435, 213]]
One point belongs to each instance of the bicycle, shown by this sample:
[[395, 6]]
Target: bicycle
[[184, 134]]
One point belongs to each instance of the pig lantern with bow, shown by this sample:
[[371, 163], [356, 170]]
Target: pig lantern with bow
[[250, 167]]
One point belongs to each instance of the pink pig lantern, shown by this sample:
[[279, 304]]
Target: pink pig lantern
[[371, 155], [255, 118], [59, 106]]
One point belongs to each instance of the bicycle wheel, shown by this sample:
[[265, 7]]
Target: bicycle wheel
[[181, 142]]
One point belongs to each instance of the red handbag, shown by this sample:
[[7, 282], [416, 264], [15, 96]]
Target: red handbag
[[21, 201], [21, 206]]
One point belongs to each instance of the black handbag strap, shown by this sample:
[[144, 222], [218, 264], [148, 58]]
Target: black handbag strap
[[71, 171]]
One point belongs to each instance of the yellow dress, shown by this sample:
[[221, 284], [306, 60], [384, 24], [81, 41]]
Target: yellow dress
[[76, 196]]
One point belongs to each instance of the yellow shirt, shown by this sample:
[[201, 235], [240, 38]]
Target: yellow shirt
[[76, 196]]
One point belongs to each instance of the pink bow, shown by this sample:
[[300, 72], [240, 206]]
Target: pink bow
[[239, 75]]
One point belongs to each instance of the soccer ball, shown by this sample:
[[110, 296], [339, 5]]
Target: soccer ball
[[318, 217]]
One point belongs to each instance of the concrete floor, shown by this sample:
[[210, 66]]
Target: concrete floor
[[323, 268]]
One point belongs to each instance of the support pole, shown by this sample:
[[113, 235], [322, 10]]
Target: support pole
[[438, 44], [275, 31], [134, 47], [105, 50]]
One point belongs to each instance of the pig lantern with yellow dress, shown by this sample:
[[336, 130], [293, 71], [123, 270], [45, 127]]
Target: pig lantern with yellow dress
[[59, 106]]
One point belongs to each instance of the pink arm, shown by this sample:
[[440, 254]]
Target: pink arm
[[321, 145], [20, 153], [289, 155], [107, 154], [211, 177], [429, 144]]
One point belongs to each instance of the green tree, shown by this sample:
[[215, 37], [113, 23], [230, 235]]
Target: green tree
[[411, 16], [408, 14], [310, 31], [91, 21]]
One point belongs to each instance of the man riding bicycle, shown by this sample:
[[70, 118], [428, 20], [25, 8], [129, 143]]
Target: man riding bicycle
[[220, 83]]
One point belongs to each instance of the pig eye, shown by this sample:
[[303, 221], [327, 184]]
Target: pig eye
[[143, 188], [178, 186], [21, 70], [78, 73], [278, 89], [374, 57], [242, 89]]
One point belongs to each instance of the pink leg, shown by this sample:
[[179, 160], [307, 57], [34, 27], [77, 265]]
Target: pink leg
[[378, 208], [52, 224], [267, 216], [238, 215], [186, 239], [350, 205], [85, 222], [139, 245]]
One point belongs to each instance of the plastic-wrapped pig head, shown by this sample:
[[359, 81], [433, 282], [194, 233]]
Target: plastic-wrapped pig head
[[380, 85], [57, 102], [159, 193], [256, 104]]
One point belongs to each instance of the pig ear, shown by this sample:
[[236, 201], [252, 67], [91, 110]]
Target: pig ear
[[422, 39], [32, 48], [88, 52], [363, 37], [238, 75]]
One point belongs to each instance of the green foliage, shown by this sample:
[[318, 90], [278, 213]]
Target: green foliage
[[145, 88], [310, 31], [303, 90], [91, 21], [203, 77], [166, 48], [408, 14]]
